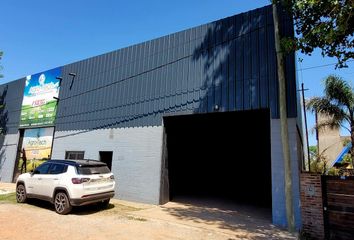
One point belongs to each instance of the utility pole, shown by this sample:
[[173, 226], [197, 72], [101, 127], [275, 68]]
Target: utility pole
[[284, 123], [306, 130]]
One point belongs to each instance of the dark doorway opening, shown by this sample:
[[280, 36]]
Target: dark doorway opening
[[106, 157], [220, 155], [17, 171]]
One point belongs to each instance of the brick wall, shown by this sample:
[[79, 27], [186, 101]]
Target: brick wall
[[312, 205]]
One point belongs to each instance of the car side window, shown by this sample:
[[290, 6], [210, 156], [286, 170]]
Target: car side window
[[57, 168], [42, 169]]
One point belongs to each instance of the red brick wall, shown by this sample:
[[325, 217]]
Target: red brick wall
[[312, 205]]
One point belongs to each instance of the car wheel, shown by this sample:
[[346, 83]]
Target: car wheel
[[21, 195], [62, 203], [104, 204]]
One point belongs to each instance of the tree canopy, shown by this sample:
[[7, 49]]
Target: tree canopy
[[1, 53], [324, 24], [338, 104]]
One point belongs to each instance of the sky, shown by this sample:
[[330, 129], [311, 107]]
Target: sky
[[38, 35]]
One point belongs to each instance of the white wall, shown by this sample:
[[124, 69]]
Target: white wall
[[137, 158], [136, 161], [278, 182]]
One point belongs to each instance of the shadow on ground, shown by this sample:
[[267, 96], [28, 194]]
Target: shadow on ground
[[82, 210], [244, 220]]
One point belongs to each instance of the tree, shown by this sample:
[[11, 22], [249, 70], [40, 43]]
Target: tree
[[324, 24], [338, 104], [1, 53], [313, 152]]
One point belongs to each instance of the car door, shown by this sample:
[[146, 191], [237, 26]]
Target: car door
[[51, 180], [35, 181]]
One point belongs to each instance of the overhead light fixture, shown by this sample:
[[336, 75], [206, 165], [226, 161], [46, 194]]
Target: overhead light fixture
[[72, 80], [60, 80]]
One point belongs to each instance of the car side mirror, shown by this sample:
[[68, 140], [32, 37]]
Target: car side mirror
[[34, 172]]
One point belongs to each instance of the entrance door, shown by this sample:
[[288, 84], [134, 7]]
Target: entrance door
[[338, 196], [223, 155], [106, 157]]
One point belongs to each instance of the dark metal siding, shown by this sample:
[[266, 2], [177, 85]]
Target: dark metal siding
[[230, 63], [11, 94]]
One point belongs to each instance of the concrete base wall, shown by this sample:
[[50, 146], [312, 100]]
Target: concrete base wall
[[136, 161], [8, 154], [278, 182]]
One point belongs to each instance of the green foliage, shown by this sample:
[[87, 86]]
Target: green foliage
[[347, 159], [338, 104], [313, 152], [324, 24], [8, 198], [333, 172], [345, 142], [319, 164], [1, 54]]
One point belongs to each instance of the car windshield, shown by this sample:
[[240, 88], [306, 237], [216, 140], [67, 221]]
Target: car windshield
[[88, 170]]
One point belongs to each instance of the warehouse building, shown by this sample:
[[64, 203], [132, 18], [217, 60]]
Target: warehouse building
[[194, 114]]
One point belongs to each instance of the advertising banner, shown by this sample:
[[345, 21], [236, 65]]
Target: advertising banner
[[36, 148], [39, 104]]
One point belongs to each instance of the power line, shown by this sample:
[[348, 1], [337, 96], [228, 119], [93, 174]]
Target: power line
[[320, 66], [200, 51], [130, 77], [125, 119], [149, 100]]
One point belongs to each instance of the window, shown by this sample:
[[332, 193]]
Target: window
[[56, 168], [42, 169], [74, 155], [88, 170]]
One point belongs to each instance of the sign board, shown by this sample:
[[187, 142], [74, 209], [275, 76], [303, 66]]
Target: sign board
[[36, 147], [39, 104]]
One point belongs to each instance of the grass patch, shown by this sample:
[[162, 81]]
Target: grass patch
[[113, 209], [130, 217], [118, 209], [8, 198]]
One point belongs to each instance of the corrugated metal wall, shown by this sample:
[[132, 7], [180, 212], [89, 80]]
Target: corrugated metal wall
[[11, 95], [230, 63]]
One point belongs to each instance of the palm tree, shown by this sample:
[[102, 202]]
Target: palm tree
[[338, 104]]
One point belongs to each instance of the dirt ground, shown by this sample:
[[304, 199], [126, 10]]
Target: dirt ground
[[186, 219]]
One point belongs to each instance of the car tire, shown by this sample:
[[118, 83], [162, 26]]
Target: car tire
[[61, 203], [104, 204], [21, 195]]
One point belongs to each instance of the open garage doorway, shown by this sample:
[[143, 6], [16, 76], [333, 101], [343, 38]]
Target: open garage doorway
[[221, 156]]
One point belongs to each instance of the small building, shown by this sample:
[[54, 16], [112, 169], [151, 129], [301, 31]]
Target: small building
[[330, 142], [193, 113]]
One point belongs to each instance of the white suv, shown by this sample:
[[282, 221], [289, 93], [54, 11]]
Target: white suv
[[67, 183]]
